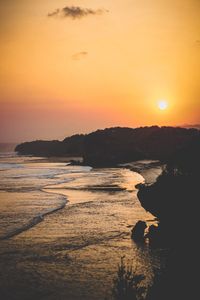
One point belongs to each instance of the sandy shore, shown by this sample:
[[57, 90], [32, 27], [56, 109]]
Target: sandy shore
[[149, 169]]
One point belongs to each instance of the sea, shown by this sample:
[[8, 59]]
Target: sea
[[64, 229]]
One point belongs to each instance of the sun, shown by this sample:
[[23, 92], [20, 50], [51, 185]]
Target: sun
[[162, 104]]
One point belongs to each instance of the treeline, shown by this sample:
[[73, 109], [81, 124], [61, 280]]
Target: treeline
[[70, 146], [111, 146]]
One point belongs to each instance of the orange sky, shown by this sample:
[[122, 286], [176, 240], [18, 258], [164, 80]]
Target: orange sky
[[95, 64]]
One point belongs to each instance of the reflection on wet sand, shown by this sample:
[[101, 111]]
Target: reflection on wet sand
[[74, 252]]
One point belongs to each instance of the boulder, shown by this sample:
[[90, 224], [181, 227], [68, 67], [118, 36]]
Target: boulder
[[138, 231]]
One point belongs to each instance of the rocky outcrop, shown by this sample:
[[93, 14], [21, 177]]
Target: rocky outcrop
[[174, 200], [138, 231], [173, 197]]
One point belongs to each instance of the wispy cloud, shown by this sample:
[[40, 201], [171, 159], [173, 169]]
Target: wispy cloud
[[54, 13], [79, 55], [197, 43], [75, 12]]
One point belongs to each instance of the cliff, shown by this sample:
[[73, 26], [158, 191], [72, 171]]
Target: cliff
[[174, 200], [174, 195]]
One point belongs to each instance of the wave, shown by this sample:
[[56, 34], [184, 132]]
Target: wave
[[106, 188], [37, 178], [36, 220], [7, 154]]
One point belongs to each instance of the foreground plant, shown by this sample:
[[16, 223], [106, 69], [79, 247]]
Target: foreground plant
[[128, 284]]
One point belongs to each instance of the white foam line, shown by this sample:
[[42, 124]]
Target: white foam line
[[36, 220]]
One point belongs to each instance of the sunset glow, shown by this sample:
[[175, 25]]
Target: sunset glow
[[74, 66], [99, 149]]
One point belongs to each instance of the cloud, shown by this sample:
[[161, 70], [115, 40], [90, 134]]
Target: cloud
[[79, 55], [54, 13], [197, 43], [75, 12]]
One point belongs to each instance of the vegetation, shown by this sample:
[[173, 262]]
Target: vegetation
[[71, 146], [128, 284], [111, 146]]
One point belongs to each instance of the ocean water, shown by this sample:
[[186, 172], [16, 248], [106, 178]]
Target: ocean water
[[64, 229]]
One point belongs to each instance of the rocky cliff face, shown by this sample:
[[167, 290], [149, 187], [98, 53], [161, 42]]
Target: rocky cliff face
[[174, 200], [174, 197]]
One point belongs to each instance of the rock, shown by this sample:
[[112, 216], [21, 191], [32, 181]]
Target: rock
[[137, 233], [74, 162], [153, 235]]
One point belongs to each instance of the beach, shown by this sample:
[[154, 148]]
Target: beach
[[65, 228]]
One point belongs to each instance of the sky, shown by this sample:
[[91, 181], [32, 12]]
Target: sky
[[75, 66]]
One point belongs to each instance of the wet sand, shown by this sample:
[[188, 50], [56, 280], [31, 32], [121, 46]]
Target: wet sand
[[74, 252]]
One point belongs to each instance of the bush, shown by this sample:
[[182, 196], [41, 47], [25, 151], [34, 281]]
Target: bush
[[128, 285]]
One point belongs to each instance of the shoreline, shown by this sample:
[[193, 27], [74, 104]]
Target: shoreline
[[148, 169], [144, 168], [34, 221], [96, 227]]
